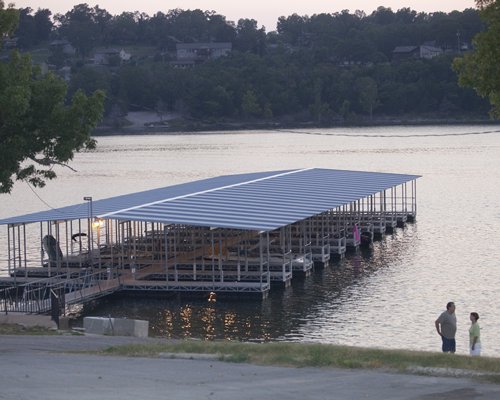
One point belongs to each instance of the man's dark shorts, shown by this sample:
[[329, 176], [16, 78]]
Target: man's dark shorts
[[449, 345]]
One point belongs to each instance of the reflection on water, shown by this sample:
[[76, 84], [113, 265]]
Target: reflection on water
[[311, 309], [386, 297]]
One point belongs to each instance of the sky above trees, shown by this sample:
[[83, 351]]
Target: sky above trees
[[265, 12]]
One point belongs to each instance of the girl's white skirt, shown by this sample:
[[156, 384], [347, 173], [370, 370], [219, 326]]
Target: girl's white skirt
[[476, 351]]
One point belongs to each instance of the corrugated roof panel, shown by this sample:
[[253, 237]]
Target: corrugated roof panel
[[104, 206], [270, 203], [262, 201]]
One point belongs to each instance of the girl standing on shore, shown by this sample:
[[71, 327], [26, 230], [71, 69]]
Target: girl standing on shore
[[474, 335]]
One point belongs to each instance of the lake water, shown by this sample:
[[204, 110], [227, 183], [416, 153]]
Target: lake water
[[387, 297]]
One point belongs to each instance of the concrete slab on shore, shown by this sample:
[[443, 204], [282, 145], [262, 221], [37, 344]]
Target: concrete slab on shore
[[116, 326]]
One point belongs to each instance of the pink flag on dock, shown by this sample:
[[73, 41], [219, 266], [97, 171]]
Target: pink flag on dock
[[355, 233]]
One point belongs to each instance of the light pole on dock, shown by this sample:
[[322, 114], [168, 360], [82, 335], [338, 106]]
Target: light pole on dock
[[90, 228]]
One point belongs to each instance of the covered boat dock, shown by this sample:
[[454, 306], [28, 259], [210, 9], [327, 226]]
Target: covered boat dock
[[235, 233]]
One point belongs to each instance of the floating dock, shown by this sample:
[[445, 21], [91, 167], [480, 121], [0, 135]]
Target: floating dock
[[238, 233]]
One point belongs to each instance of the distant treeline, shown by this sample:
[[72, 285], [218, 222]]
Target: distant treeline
[[322, 68]]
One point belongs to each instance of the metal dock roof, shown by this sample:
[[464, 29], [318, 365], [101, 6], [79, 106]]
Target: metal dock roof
[[259, 201]]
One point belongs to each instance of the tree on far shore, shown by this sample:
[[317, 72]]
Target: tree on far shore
[[9, 18]]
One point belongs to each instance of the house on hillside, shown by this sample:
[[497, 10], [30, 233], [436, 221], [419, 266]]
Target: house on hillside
[[415, 52], [428, 52], [62, 46], [111, 56], [189, 54], [105, 57]]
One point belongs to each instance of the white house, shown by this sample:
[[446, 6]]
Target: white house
[[103, 57]]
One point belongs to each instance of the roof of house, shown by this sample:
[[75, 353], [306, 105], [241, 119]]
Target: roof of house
[[432, 48], [404, 49]]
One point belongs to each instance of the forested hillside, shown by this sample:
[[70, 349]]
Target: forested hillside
[[322, 69]]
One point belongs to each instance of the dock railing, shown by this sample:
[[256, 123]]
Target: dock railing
[[35, 297]]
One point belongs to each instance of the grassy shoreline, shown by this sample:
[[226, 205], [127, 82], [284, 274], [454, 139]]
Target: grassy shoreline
[[300, 355]]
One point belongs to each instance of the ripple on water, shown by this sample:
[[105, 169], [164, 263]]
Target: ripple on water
[[388, 297]]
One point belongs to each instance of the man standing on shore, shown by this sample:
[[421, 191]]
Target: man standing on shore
[[446, 326]]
